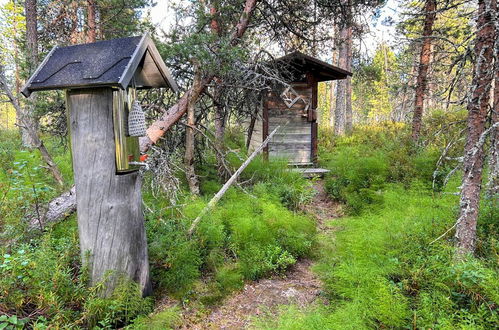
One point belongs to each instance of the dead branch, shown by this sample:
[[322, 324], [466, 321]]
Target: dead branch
[[229, 182]]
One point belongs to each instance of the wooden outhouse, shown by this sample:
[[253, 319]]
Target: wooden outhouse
[[294, 109]]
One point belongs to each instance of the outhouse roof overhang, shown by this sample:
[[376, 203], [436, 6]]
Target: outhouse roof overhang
[[298, 63]]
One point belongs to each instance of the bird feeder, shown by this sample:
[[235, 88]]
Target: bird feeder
[[122, 65], [105, 120]]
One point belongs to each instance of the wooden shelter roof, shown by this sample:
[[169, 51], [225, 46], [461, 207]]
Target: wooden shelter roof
[[117, 62], [300, 63]]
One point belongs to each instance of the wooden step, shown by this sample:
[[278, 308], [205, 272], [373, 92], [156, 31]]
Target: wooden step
[[311, 172]]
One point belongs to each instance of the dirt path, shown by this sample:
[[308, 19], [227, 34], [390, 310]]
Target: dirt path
[[299, 286]]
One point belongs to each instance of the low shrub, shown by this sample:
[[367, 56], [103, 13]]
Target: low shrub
[[363, 163], [168, 318], [356, 178], [247, 236], [43, 284]]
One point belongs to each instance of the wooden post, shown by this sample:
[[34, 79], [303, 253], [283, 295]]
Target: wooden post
[[109, 206], [265, 123], [312, 117]]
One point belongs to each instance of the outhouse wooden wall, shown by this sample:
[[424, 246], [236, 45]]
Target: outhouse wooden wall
[[296, 139]]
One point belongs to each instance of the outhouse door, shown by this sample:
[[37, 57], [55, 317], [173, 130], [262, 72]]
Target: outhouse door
[[292, 110]]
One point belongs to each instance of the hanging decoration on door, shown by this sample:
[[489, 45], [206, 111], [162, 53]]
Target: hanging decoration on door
[[290, 97]]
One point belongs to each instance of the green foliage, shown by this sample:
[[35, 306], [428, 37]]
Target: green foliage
[[293, 191], [244, 237], [175, 258], [372, 156], [383, 270], [166, 319], [124, 305], [12, 322], [24, 182], [45, 278], [375, 84]]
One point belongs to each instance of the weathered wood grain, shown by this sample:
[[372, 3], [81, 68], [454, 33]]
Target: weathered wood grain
[[294, 140], [110, 219]]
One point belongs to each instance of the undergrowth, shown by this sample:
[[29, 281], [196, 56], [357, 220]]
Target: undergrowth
[[255, 231], [384, 266], [250, 234]]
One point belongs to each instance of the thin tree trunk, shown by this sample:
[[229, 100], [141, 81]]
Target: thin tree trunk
[[74, 36], [16, 54], [348, 67], [340, 108], [190, 138], [220, 122], [23, 132], [333, 84], [424, 62], [493, 183], [478, 103], [28, 115], [92, 26]]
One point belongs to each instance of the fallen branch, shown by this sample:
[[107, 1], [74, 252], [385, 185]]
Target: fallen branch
[[58, 209], [229, 182]]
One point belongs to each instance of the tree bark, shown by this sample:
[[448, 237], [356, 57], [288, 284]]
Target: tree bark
[[424, 63], [190, 139], [348, 84], [341, 86], [220, 122], [58, 209], [110, 219], [28, 115], [74, 36], [348, 67], [493, 183], [92, 26], [332, 90], [478, 103]]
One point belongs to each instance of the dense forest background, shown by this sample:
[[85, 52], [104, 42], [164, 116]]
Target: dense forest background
[[411, 142]]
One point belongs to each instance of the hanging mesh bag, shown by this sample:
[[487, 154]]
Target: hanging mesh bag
[[136, 120]]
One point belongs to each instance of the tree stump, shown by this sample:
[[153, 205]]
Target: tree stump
[[109, 206]]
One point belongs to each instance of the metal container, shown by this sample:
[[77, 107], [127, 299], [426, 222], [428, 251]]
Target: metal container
[[127, 147]]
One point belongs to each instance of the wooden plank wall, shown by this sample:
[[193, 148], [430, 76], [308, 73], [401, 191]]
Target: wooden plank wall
[[293, 141]]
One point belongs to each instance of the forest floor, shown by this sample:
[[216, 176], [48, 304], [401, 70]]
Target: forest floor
[[299, 286]]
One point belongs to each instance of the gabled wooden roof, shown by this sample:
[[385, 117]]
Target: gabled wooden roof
[[118, 62], [300, 63]]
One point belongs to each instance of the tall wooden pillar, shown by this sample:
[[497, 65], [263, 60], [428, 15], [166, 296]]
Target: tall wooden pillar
[[312, 117], [109, 206]]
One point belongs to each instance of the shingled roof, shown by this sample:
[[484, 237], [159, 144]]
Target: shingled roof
[[300, 63], [117, 62]]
